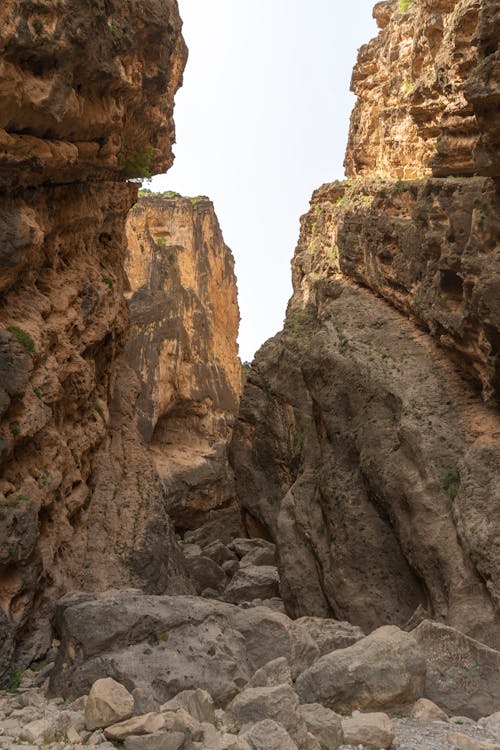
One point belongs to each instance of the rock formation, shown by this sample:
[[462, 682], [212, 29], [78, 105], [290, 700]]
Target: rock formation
[[86, 102], [368, 443], [175, 400], [183, 346]]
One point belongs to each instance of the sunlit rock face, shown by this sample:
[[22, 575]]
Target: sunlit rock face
[[183, 348], [86, 101], [368, 440], [421, 85]]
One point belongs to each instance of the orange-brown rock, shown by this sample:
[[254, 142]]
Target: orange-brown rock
[[413, 116], [183, 348], [86, 98]]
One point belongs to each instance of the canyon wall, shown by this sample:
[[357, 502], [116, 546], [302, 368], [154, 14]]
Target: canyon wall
[[175, 402], [86, 102], [368, 442]]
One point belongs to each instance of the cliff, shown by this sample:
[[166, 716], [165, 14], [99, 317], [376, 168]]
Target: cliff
[[175, 401], [368, 441], [86, 102]]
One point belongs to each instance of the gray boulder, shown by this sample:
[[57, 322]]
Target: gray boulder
[[382, 670], [279, 703], [323, 724], [330, 635], [268, 735], [253, 582]]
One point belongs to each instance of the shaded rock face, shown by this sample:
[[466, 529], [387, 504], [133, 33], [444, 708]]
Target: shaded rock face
[[183, 349], [420, 85], [74, 78], [368, 442]]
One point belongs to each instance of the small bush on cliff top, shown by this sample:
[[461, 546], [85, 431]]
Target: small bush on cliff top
[[137, 164], [405, 5]]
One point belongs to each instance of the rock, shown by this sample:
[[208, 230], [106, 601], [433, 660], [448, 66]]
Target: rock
[[73, 736], [198, 704], [426, 710], [147, 724], [219, 553], [491, 723], [39, 732], [156, 741], [382, 670], [278, 703], [275, 672], [252, 582], [324, 724], [191, 550], [230, 567], [223, 525], [268, 735], [259, 556], [374, 730], [242, 546], [460, 741], [108, 703], [206, 574], [463, 675], [330, 635], [144, 701]]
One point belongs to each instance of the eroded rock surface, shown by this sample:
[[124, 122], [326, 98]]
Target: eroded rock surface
[[74, 78]]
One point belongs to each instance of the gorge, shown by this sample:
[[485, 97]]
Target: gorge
[[193, 556]]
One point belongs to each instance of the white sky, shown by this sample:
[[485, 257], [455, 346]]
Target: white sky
[[262, 121]]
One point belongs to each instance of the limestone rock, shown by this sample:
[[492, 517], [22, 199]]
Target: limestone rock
[[268, 735], [426, 710], [324, 724], [198, 704], [108, 703], [491, 723], [460, 741], [278, 703], [382, 670], [330, 635], [275, 672], [374, 730], [222, 526], [463, 675], [156, 741], [253, 582], [66, 154], [38, 732], [146, 724], [259, 556], [205, 573], [243, 546]]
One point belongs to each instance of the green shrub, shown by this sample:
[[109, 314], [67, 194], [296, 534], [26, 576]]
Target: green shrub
[[23, 338], [37, 26], [405, 5], [15, 680], [137, 164], [108, 281]]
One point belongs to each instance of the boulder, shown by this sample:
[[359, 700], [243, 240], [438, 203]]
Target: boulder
[[156, 741], [144, 701], [219, 553], [491, 724], [147, 724], [384, 669], [253, 582], [205, 574], [426, 710], [108, 703], [275, 672], [38, 732], [323, 724], [463, 675], [458, 741], [330, 635], [230, 567], [268, 735], [279, 703], [259, 556], [243, 546], [198, 704], [224, 525], [373, 730]]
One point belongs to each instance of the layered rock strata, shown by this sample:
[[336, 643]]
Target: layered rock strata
[[75, 78], [420, 85], [183, 346], [368, 443]]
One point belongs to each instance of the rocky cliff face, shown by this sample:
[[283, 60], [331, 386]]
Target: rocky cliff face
[[422, 85], [368, 442], [175, 401], [75, 77]]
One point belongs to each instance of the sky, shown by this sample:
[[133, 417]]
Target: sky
[[261, 122]]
